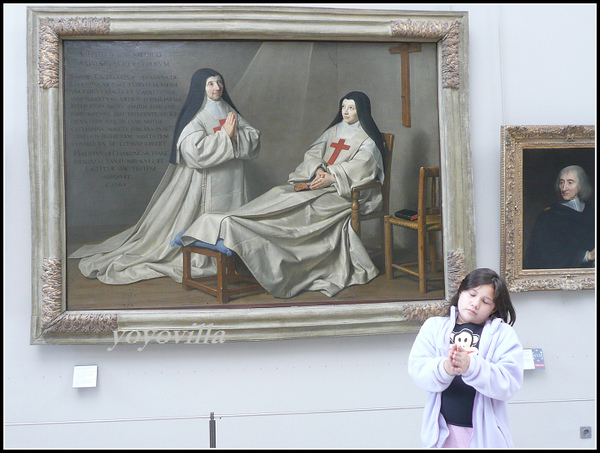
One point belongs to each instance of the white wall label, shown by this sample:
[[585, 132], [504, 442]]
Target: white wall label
[[85, 376]]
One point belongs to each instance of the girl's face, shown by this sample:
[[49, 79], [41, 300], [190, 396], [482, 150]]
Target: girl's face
[[569, 185], [214, 88], [349, 111], [476, 304]]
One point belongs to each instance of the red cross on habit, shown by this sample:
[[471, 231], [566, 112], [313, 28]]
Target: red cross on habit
[[337, 148], [221, 122]]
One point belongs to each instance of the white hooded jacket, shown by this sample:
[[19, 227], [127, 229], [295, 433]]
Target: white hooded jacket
[[496, 373]]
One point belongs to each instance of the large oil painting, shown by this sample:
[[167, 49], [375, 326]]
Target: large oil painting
[[108, 101]]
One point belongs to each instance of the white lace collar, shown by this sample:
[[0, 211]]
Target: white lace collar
[[576, 204]]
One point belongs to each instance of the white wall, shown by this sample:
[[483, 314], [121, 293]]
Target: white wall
[[529, 64]]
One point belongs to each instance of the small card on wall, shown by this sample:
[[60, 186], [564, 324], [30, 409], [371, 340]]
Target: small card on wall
[[85, 376], [533, 359]]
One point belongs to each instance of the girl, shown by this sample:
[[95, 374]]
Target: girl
[[471, 363]]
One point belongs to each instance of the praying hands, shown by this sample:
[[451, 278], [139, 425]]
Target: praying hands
[[458, 361], [230, 125]]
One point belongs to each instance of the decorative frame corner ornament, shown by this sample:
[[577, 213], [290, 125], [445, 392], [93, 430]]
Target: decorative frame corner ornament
[[447, 33], [51, 31], [48, 27]]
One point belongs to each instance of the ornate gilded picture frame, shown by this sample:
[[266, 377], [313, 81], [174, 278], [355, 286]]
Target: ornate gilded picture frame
[[55, 321], [540, 233]]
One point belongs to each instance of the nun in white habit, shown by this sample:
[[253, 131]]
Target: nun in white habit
[[295, 240], [206, 174]]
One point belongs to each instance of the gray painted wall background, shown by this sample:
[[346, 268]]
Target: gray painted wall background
[[529, 64]]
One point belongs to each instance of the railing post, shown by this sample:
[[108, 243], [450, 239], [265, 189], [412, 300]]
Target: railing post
[[212, 429]]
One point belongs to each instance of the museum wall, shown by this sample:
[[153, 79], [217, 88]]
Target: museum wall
[[529, 65]]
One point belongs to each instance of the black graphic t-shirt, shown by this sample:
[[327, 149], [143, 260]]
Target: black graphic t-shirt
[[457, 399]]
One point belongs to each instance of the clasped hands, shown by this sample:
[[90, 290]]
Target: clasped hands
[[230, 125], [322, 179], [458, 361]]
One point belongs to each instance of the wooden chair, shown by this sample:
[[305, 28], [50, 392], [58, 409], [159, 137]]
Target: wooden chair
[[227, 283], [357, 217], [427, 224]]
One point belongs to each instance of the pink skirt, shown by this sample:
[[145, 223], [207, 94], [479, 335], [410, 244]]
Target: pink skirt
[[459, 437]]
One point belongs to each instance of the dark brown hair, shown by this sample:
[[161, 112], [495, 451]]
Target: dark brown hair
[[483, 276]]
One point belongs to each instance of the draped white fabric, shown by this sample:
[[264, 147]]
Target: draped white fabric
[[209, 177], [293, 241]]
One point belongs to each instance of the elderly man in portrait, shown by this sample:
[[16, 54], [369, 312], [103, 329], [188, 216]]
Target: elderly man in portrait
[[563, 235]]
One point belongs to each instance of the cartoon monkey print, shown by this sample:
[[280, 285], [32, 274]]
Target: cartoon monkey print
[[466, 339]]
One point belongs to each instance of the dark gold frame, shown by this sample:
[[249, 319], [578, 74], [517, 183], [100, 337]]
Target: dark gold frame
[[516, 139]]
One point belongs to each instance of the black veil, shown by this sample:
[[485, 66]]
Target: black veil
[[363, 108], [193, 103]]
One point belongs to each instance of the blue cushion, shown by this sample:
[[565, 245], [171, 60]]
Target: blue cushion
[[218, 247]]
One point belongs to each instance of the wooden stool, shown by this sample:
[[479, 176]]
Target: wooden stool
[[225, 278]]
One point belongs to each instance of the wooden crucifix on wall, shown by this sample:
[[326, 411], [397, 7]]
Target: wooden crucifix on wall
[[404, 49]]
